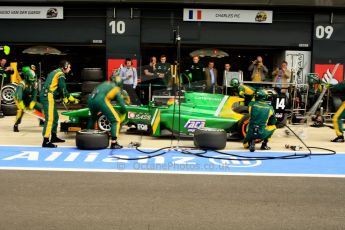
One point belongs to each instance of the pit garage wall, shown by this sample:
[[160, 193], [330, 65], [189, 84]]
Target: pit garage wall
[[80, 26], [329, 44], [285, 31], [122, 37]]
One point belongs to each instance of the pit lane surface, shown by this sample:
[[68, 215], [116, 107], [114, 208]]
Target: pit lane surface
[[111, 200]]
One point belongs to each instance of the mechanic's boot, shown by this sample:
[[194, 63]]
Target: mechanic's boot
[[47, 144], [252, 146], [41, 123], [55, 139], [264, 146], [15, 128], [338, 139], [115, 145]]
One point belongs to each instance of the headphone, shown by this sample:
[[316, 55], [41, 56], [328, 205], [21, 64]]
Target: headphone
[[128, 59], [64, 64]]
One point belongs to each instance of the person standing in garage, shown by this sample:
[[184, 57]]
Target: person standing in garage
[[211, 77], [258, 71], [129, 76], [53, 88], [100, 101], [196, 70]]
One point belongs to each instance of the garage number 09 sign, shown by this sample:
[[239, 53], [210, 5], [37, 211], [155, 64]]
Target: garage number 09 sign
[[323, 32]]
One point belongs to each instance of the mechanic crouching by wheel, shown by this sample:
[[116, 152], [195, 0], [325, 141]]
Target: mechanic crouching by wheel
[[53, 88], [26, 95], [261, 123], [100, 101]]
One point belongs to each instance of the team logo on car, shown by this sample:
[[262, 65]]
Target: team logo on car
[[141, 116], [193, 124], [131, 115]]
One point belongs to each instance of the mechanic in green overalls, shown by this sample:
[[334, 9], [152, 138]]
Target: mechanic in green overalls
[[244, 91], [100, 101], [53, 88], [262, 122], [26, 95], [340, 113]]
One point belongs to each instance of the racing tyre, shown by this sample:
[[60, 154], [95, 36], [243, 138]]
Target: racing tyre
[[7, 94], [242, 125], [9, 110], [92, 74], [210, 138], [91, 139], [88, 86]]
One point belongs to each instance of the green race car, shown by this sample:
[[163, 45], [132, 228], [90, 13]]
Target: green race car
[[196, 110]]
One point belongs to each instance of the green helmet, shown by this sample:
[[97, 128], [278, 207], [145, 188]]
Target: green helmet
[[260, 95], [118, 81], [29, 74], [235, 83]]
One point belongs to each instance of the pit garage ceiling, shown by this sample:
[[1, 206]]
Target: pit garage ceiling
[[265, 3]]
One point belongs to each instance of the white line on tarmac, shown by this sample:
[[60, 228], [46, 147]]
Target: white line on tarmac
[[175, 172]]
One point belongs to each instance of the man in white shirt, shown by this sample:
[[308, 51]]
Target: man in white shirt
[[130, 80]]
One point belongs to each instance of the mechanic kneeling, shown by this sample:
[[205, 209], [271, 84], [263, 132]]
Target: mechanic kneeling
[[262, 122], [100, 101]]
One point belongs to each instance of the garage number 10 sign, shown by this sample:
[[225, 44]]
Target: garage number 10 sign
[[117, 27]]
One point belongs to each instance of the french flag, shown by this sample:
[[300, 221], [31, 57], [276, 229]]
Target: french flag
[[194, 14]]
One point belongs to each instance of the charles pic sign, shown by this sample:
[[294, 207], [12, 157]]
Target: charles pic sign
[[221, 15], [31, 12]]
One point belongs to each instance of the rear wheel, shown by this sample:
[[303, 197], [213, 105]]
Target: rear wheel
[[7, 94], [210, 138], [242, 125]]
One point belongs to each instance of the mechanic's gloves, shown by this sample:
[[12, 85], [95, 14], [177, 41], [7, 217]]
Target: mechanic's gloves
[[21, 105], [32, 105], [76, 101], [65, 100], [69, 99], [241, 93]]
